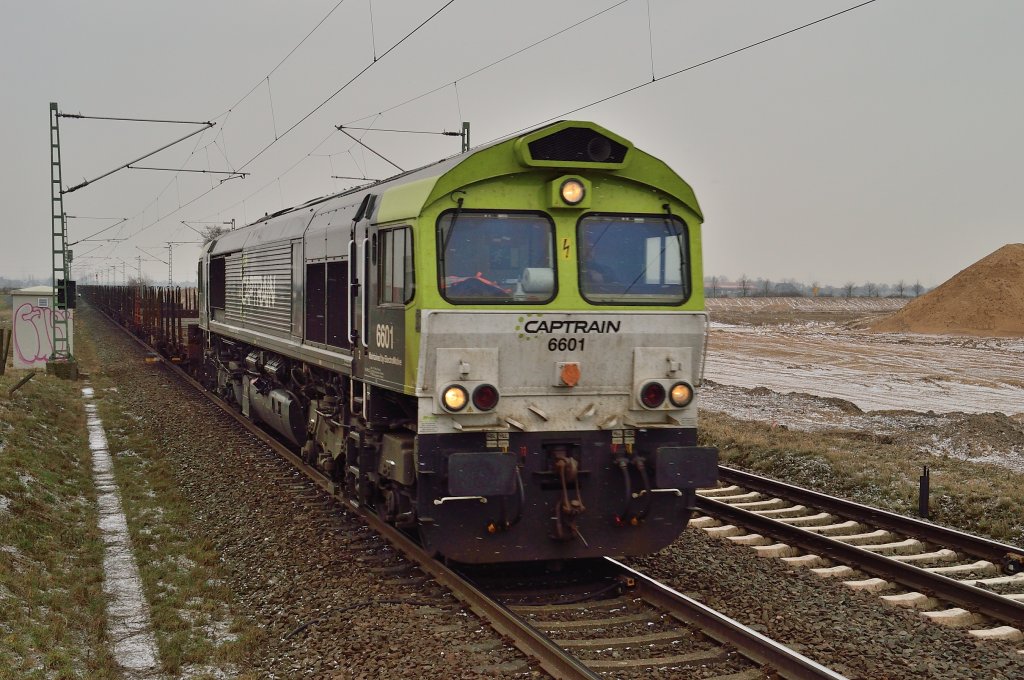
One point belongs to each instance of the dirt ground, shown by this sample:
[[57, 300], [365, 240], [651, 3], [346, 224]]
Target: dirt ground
[[811, 365]]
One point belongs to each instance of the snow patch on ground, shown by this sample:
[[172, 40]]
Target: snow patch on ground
[[822, 376], [874, 371], [129, 626]]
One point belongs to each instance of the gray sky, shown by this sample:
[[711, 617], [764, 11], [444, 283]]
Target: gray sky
[[881, 145]]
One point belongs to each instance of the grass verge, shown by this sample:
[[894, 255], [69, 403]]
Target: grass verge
[[52, 606]]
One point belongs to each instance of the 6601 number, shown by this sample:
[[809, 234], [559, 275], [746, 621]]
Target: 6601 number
[[565, 344]]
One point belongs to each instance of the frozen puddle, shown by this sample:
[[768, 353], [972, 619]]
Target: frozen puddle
[[127, 613]]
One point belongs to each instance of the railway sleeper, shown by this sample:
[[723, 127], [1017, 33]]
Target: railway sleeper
[[584, 624], [662, 637], [678, 660]]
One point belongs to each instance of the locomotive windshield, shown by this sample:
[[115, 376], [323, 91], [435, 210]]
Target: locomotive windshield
[[636, 260], [496, 257]]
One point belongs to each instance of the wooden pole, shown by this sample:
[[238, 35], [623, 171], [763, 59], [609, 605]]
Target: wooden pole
[[10, 392], [6, 340]]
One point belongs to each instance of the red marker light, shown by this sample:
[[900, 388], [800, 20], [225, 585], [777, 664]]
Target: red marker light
[[485, 397], [652, 395]]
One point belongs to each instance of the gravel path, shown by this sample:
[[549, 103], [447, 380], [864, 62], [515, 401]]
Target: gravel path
[[332, 598]]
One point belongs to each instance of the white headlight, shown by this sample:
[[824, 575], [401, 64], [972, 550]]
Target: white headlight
[[455, 397]]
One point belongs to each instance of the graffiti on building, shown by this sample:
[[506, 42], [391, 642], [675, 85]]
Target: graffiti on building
[[33, 333]]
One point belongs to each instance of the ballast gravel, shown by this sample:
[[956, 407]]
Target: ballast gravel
[[333, 599]]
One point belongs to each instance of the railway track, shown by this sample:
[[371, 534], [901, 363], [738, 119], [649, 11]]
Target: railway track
[[606, 630], [953, 578]]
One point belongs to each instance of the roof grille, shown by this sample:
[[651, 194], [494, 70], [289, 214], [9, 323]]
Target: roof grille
[[577, 145]]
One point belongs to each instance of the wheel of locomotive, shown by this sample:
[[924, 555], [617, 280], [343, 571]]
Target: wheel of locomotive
[[424, 537], [386, 504], [310, 452]]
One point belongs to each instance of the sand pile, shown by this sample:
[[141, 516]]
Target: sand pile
[[986, 299]]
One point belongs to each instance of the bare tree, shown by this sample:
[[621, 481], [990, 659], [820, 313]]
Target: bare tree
[[714, 286], [917, 288], [744, 285], [848, 288], [901, 288], [766, 287], [212, 232], [870, 289]]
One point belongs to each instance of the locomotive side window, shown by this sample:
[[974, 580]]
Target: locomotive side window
[[218, 285], [633, 259], [337, 309], [315, 322], [496, 257], [396, 282]]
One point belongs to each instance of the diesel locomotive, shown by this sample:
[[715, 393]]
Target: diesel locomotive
[[500, 351]]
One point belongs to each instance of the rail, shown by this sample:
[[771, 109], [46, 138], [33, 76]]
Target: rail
[[555, 660], [977, 599]]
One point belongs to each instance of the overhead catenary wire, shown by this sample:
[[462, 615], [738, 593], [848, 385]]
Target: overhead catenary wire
[[87, 182], [299, 122], [132, 166], [553, 35], [226, 115], [650, 37], [107, 228], [373, 36], [350, 81], [408, 132], [455, 85], [283, 59], [490, 65], [135, 120], [273, 116], [368, 148], [691, 67]]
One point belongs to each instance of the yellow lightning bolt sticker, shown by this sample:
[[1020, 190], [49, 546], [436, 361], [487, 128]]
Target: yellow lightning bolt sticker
[[565, 248]]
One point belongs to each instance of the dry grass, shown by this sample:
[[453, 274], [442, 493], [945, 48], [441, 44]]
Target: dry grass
[[52, 621], [973, 497], [183, 578]]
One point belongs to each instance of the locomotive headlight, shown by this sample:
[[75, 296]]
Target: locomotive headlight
[[652, 394], [680, 395], [455, 397], [573, 191], [485, 397]]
